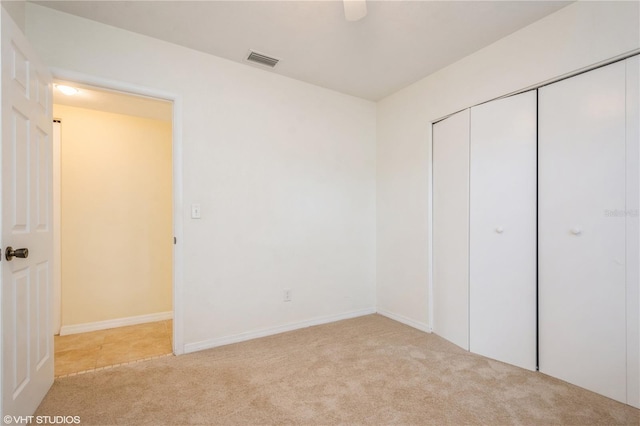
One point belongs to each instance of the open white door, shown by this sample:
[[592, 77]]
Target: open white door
[[27, 339]]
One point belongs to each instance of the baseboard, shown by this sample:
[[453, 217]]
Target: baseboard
[[118, 322], [227, 340], [407, 321]]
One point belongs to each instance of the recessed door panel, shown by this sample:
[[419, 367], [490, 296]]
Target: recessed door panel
[[19, 356], [18, 169], [42, 171], [20, 70], [42, 314]]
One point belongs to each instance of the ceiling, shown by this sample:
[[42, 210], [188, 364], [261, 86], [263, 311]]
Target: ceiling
[[396, 44], [116, 102]]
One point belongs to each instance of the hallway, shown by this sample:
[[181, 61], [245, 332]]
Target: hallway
[[97, 350]]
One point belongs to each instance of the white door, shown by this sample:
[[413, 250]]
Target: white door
[[633, 231], [581, 175], [451, 228], [27, 339], [502, 259]]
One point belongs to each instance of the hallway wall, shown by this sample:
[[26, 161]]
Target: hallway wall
[[116, 215]]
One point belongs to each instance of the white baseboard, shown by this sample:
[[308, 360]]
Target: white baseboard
[[407, 321], [118, 322], [221, 341]]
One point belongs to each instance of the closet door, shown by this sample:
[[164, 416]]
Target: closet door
[[581, 237], [451, 228], [502, 299], [633, 231]]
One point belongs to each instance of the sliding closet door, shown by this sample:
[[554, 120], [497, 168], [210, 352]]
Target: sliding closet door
[[502, 292], [581, 237], [451, 228], [633, 231]]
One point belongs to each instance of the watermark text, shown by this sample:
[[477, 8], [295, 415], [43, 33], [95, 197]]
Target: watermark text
[[621, 213], [41, 420]]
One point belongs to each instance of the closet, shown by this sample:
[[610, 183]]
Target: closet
[[545, 229]]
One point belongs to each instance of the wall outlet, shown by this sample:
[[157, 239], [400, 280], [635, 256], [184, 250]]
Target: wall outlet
[[286, 295]]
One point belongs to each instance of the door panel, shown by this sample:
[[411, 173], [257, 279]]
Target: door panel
[[42, 311], [19, 170], [633, 231], [27, 344], [451, 228], [581, 242], [502, 286], [42, 160], [20, 323]]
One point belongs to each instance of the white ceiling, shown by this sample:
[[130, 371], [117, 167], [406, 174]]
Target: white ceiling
[[396, 44], [115, 102]]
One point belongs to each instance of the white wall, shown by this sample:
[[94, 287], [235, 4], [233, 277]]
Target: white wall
[[284, 172], [575, 37]]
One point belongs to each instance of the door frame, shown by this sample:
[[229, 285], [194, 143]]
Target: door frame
[[133, 89]]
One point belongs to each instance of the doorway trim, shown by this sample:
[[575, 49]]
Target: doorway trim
[[176, 99]]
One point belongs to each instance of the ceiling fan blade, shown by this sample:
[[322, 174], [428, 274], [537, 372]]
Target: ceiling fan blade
[[354, 10]]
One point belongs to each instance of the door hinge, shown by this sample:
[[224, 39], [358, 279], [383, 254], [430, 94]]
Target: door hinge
[[175, 240]]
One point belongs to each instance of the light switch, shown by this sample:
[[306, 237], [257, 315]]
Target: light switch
[[195, 211]]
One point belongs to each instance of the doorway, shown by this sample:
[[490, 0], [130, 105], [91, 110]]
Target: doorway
[[113, 197]]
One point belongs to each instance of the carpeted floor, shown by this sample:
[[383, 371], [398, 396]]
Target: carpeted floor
[[368, 370]]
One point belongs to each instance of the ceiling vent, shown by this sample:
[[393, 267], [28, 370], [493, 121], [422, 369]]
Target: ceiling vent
[[264, 60]]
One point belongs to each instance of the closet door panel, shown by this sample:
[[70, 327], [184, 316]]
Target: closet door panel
[[502, 299], [451, 228], [581, 175], [633, 231]]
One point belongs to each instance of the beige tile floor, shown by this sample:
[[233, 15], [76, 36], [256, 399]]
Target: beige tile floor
[[88, 351]]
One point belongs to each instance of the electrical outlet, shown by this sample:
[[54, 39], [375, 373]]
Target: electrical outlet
[[286, 295]]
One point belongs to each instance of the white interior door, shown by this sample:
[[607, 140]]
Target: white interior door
[[502, 268], [451, 228], [582, 335], [27, 339], [633, 231]]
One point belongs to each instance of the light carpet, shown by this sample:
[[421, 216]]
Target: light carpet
[[368, 370]]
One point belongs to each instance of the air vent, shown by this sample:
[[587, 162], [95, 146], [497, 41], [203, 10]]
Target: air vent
[[261, 59]]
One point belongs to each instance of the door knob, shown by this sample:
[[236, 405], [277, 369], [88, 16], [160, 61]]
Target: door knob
[[499, 229], [10, 253], [576, 231]]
